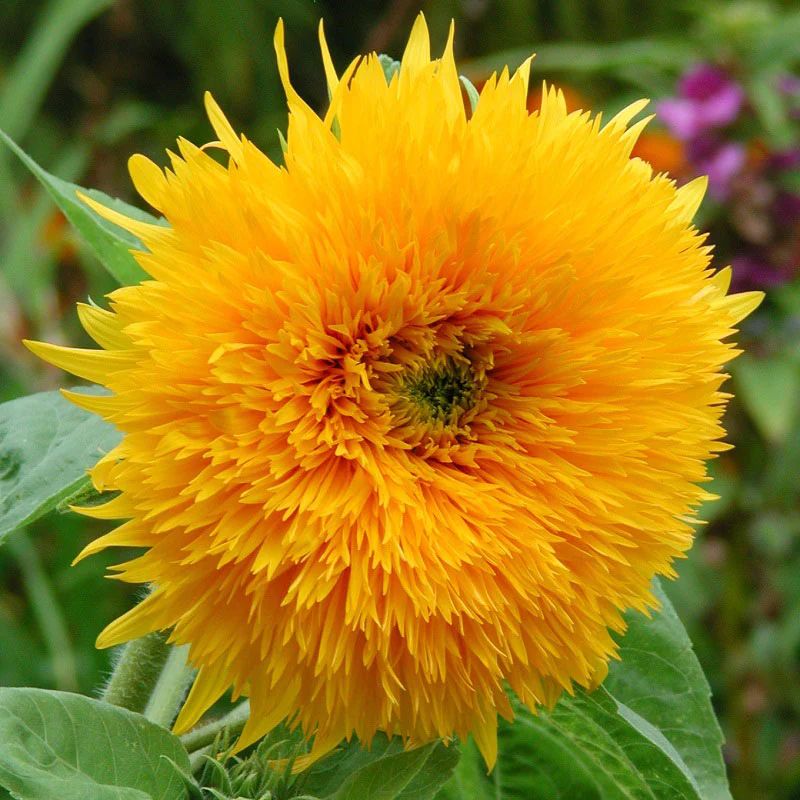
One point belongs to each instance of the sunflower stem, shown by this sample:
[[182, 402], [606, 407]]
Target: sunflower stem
[[136, 672], [234, 721], [170, 689]]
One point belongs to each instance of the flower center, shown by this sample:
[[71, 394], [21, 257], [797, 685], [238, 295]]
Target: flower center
[[438, 402], [442, 389]]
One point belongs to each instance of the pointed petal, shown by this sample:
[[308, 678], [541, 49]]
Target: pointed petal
[[103, 326], [331, 77], [322, 746], [126, 535], [93, 365], [739, 306], [144, 230], [485, 735], [523, 72], [623, 118], [338, 94], [418, 50], [227, 136], [102, 404], [267, 709], [295, 101], [140, 620], [722, 279], [209, 685], [119, 507], [688, 198]]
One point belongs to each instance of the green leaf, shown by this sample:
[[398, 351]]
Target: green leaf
[[110, 243], [584, 748], [660, 679], [384, 772], [469, 780], [46, 446], [65, 746], [649, 732], [769, 388]]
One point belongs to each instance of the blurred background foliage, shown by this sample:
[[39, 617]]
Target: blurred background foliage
[[85, 83]]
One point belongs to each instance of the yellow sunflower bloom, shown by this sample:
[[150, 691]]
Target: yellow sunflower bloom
[[413, 417]]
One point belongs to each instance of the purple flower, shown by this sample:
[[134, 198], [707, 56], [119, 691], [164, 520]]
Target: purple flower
[[755, 270], [722, 165], [789, 84], [785, 160], [707, 99], [787, 208]]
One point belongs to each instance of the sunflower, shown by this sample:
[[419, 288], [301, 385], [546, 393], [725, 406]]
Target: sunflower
[[414, 416]]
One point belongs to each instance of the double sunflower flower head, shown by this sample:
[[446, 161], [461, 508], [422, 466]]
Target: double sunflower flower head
[[413, 416]]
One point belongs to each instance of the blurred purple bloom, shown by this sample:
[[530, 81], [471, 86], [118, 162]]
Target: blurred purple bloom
[[785, 160], [787, 208], [702, 81], [753, 270], [789, 84], [680, 116], [707, 99], [722, 165]]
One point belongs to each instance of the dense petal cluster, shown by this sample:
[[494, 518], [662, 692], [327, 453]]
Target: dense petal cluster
[[414, 416]]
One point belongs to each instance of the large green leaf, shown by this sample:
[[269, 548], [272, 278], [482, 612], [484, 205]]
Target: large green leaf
[[584, 748], [70, 747], [384, 772], [660, 679], [110, 243], [649, 732], [46, 446]]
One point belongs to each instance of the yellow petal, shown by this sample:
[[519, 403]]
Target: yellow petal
[[331, 77], [144, 230], [294, 99], [688, 198], [103, 326], [722, 279], [102, 404], [622, 118], [485, 735], [209, 685], [418, 50], [322, 746], [119, 507], [149, 180], [93, 365], [267, 709], [125, 536], [227, 136], [140, 620], [523, 72], [739, 306]]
